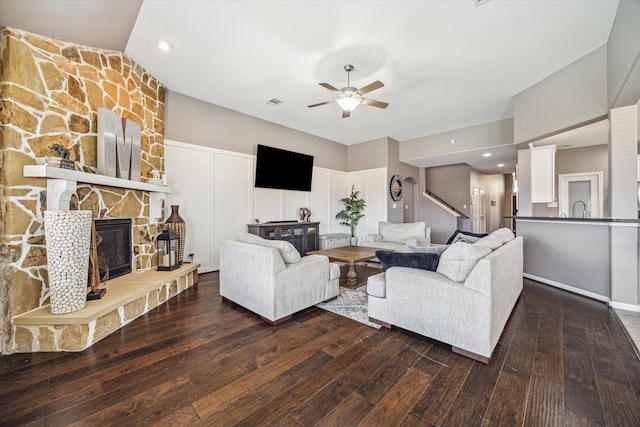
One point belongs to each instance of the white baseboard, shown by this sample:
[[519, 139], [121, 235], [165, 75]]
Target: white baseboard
[[572, 289], [624, 306]]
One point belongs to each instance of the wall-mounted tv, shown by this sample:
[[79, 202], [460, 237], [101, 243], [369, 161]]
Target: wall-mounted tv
[[282, 169]]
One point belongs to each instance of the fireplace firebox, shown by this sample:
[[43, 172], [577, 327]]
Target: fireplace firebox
[[114, 245]]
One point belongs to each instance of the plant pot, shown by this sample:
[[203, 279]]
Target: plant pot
[[68, 236], [354, 241]]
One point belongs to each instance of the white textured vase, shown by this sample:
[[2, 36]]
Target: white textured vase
[[68, 235]]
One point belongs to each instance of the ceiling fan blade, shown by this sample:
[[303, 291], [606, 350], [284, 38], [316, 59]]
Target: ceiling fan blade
[[321, 103], [345, 114], [331, 88], [373, 103], [370, 87]]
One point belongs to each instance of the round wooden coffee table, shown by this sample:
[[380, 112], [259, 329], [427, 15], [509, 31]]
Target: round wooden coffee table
[[350, 255]]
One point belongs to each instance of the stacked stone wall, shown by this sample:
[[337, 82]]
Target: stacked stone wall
[[50, 92]]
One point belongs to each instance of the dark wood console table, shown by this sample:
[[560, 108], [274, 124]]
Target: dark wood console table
[[305, 236]]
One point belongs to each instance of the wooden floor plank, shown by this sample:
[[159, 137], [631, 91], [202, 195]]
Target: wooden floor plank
[[387, 376], [581, 398], [396, 404], [547, 361], [464, 412], [562, 359], [230, 404], [545, 404], [507, 406], [349, 412], [482, 378], [435, 402]]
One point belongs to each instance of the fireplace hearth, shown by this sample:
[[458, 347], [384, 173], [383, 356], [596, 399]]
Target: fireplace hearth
[[114, 247]]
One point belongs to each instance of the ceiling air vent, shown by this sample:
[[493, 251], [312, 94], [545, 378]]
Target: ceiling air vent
[[274, 102], [479, 3]]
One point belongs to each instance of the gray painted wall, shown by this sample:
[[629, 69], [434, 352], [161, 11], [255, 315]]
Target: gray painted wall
[[451, 184], [467, 139], [573, 95], [196, 122], [396, 210], [442, 224], [367, 155], [623, 56], [377, 153]]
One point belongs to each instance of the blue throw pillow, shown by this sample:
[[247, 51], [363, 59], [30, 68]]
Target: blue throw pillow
[[465, 236], [421, 260]]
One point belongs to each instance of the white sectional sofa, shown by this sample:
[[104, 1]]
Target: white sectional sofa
[[270, 278], [398, 237], [466, 302]]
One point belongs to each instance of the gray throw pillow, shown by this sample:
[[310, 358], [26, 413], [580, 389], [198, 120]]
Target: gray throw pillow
[[504, 234], [436, 249], [423, 261]]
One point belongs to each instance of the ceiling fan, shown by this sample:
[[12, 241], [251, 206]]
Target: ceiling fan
[[350, 97]]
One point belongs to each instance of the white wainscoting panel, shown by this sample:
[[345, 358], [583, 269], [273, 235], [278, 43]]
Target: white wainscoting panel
[[233, 182], [319, 199], [372, 184], [189, 173], [340, 187], [293, 201], [217, 198], [268, 204]]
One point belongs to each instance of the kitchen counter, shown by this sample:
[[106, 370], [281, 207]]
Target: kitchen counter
[[577, 220]]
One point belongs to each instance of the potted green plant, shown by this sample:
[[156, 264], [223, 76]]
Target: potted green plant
[[352, 212]]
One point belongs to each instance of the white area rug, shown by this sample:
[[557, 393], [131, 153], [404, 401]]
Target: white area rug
[[351, 303]]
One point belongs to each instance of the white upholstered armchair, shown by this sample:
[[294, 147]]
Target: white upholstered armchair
[[270, 278]]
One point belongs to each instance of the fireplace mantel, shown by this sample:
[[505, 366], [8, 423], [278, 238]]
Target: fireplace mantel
[[63, 183]]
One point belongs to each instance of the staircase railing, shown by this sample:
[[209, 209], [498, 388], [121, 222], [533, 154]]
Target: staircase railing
[[444, 205]]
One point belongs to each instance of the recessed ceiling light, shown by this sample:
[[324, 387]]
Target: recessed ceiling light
[[164, 45], [453, 141], [500, 165], [486, 155]]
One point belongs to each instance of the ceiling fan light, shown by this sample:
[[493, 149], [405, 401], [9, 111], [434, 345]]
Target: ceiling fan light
[[349, 103]]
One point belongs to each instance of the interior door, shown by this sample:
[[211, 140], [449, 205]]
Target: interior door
[[581, 195], [478, 210]]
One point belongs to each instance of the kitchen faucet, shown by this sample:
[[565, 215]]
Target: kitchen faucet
[[584, 209]]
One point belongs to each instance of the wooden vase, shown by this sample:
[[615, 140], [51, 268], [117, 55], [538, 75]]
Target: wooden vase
[[177, 224]]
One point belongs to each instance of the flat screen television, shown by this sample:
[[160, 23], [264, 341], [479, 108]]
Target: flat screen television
[[282, 169]]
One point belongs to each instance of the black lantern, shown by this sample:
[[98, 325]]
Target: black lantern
[[168, 242]]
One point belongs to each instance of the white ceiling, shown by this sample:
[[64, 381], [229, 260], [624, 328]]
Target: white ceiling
[[445, 64]]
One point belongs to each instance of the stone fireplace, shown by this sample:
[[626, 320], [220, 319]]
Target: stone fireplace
[[50, 93]]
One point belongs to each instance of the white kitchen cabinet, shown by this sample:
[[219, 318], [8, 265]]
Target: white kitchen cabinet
[[543, 174]]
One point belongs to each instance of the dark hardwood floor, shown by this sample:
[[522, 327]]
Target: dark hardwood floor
[[196, 361]]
